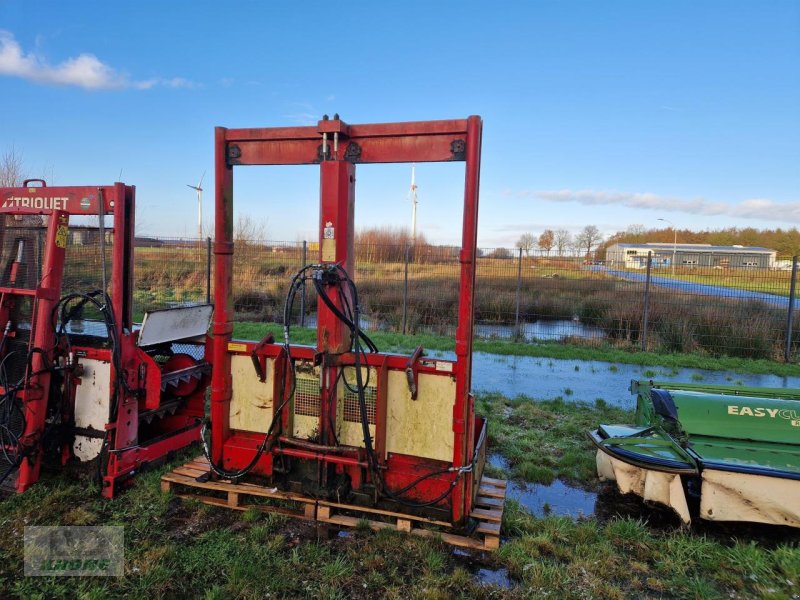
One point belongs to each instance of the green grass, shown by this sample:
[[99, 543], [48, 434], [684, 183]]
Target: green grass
[[769, 282], [546, 440], [180, 548], [395, 342]]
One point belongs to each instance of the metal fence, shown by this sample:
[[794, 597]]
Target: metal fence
[[746, 312]]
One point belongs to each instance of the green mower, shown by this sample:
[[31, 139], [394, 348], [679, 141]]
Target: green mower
[[712, 452]]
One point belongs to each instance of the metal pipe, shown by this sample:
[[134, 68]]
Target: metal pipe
[[517, 330], [405, 289], [646, 315], [674, 241], [101, 208], [328, 458], [208, 270], [314, 446], [787, 353]]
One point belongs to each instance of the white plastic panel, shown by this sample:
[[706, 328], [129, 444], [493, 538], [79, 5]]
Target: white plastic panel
[[174, 324]]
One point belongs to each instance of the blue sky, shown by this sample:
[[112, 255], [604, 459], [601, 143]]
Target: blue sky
[[606, 113]]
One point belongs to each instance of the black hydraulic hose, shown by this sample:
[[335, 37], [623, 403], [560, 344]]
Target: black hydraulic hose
[[372, 459]]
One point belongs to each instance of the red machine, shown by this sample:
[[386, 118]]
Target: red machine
[[77, 380], [340, 420]]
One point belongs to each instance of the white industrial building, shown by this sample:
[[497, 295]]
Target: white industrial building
[[634, 256]]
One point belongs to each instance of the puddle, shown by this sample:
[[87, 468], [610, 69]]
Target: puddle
[[483, 571], [540, 330], [556, 499], [498, 577], [586, 381]]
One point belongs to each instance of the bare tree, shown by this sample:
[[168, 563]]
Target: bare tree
[[526, 242], [500, 253], [11, 168], [547, 240], [635, 229], [588, 238], [247, 229], [562, 241]]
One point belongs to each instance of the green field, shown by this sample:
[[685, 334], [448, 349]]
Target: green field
[[179, 548]]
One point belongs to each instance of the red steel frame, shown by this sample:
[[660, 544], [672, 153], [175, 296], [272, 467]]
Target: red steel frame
[[337, 147], [125, 456]]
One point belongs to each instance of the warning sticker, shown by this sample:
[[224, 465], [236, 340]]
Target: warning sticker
[[236, 347], [61, 236]]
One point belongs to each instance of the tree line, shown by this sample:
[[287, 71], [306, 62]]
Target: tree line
[[560, 242], [590, 243], [785, 241]]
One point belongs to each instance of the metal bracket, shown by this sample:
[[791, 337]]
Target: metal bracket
[[260, 363], [412, 375], [459, 149], [352, 153], [234, 154], [327, 155]]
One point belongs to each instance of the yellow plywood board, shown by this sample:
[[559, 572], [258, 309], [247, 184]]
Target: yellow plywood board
[[351, 434], [251, 402], [421, 427]]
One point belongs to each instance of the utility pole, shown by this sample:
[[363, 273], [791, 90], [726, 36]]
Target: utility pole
[[674, 241], [413, 195]]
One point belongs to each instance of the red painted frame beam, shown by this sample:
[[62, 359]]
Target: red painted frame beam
[[73, 200], [427, 141]]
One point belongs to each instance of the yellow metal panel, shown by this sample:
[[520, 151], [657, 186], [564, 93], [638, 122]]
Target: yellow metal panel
[[329, 250], [251, 402], [351, 434], [348, 422], [306, 404], [421, 427], [305, 427]]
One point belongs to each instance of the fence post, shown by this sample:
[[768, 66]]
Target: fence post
[[646, 314], [405, 289], [787, 352], [304, 262], [519, 294], [208, 270]]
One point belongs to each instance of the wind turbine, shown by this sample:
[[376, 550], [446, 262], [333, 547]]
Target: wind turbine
[[199, 189], [412, 194]]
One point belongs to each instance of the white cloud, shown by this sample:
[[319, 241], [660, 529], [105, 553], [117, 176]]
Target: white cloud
[[756, 208], [85, 70]]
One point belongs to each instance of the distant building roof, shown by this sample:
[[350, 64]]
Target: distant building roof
[[696, 247]]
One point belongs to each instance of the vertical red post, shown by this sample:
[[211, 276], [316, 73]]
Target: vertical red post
[[466, 312], [222, 329], [36, 392], [336, 228], [122, 255]]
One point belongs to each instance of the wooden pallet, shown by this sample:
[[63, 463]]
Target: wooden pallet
[[488, 511], [185, 476]]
